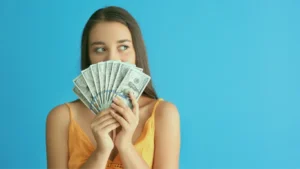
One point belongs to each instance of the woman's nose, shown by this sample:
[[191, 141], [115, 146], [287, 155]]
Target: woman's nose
[[113, 55]]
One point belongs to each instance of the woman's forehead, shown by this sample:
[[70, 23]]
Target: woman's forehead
[[109, 32]]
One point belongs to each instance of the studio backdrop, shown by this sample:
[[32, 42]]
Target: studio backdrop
[[231, 68]]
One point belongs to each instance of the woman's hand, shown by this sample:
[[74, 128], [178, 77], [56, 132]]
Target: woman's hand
[[101, 126], [127, 118]]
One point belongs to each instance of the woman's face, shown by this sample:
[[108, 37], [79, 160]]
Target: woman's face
[[111, 41]]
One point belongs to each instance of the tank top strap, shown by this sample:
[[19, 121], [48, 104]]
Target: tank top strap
[[70, 111]]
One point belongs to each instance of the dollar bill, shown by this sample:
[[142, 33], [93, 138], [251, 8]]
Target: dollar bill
[[114, 72], [134, 81], [84, 90], [133, 65], [123, 69], [101, 71], [94, 70], [84, 100], [89, 79], [107, 76]]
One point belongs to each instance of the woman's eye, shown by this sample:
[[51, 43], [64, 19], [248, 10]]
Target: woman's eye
[[124, 47], [100, 50]]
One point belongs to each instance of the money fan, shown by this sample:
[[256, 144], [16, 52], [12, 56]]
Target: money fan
[[98, 84]]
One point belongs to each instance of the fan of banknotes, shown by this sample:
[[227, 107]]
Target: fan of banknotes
[[98, 84]]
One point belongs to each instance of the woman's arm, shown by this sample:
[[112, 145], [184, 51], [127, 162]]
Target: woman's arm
[[57, 125], [97, 160], [167, 137], [167, 142], [131, 159], [56, 138]]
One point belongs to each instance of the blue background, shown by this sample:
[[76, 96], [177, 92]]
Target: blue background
[[231, 67]]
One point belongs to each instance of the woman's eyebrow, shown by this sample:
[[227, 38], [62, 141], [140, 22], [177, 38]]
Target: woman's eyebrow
[[98, 43], [123, 40], [102, 43]]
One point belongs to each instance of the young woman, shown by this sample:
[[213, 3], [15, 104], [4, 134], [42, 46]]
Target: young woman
[[148, 136]]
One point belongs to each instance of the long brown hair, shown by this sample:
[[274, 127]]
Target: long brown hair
[[117, 14]]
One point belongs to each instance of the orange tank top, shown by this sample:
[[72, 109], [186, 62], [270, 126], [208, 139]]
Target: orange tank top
[[80, 146]]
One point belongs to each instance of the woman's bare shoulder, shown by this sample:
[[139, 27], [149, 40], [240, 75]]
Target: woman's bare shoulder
[[167, 115], [60, 112], [167, 126], [57, 125], [167, 110]]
